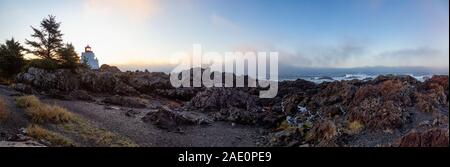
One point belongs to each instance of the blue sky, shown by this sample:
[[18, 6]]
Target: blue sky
[[314, 33]]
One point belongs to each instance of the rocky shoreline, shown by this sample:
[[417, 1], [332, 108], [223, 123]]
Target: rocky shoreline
[[385, 111]]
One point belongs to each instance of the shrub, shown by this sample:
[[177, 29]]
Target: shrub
[[46, 64]]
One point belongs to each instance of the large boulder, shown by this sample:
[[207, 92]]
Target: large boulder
[[168, 119]]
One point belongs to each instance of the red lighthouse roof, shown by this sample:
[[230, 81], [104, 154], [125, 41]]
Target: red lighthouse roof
[[87, 49]]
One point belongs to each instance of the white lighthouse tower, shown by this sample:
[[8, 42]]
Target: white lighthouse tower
[[88, 57]]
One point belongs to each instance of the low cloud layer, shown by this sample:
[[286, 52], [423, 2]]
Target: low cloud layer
[[350, 55]]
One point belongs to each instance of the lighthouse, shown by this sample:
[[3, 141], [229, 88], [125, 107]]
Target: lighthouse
[[88, 58]]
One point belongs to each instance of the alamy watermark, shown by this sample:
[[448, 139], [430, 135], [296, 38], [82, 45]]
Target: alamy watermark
[[210, 68]]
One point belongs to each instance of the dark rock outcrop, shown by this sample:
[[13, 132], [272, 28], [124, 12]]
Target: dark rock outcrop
[[108, 68], [168, 119], [61, 79], [227, 104], [387, 104], [431, 138], [107, 80]]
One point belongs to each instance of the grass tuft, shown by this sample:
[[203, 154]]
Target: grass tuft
[[53, 138], [49, 113], [67, 123], [355, 127], [4, 112], [97, 136], [43, 113], [27, 101]]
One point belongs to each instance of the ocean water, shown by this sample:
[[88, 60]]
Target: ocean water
[[323, 78], [319, 75]]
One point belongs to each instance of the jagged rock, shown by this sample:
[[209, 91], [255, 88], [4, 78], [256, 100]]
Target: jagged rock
[[227, 104], [432, 94], [61, 79], [335, 92], [149, 82], [238, 115], [24, 88], [166, 118], [290, 103], [384, 104], [217, 98], [106, 82], [375, 114], [184, 94], [323, 133], [133, 102], [108, 68], [288, 137], [430, 138]]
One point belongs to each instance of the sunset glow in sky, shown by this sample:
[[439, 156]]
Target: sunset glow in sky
[[307, 33]]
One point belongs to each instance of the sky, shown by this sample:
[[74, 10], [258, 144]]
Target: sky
[[306, 33]]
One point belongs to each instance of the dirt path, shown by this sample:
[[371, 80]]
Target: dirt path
[[16, 120], [115, 120]]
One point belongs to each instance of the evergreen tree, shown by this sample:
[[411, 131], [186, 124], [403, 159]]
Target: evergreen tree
[[68, 57], [48, 39], [11, 58]]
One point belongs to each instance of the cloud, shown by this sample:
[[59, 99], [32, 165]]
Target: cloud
[[132, 9], [223, 23], [412, 52], [419, 56], [341, 54]]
